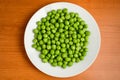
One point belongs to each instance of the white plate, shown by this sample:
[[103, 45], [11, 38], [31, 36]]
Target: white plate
[[77, 68]]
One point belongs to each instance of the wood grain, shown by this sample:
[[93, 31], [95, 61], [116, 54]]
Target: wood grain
[[15, 65]]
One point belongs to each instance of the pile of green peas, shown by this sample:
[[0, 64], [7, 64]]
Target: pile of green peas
[[61, 37]]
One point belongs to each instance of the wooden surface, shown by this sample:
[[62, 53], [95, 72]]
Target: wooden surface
[[15, 65]]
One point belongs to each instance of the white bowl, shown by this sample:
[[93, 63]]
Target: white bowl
[[77, 68]]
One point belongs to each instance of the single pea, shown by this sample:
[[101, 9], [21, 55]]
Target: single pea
[[67, 59], [60, 63], [43, 31], [66, 40], [60, 20], [84, 53], [53, 21], [58, 47], [53, 46], [48, 47], [81, 43], [34, 45], [41, 42], [74, 41], [61, 40], [82, 39], [48, 18], [85, 26], [49, 13], [75, 55], [66, 27], [35, 31], [70, 32], [62, 35], [77, 60], [53, 11], [57, 52], [34, 40], [60, 30], [38, 23], [73, 59], [59, 58], [79, 19], [63, 45], [87, 33], [70, 42], [85, 43], [39, 37], [53, 41], [59, 10], [61, 25], [48, 32], [43, 19], [50, 60], [45, 40], [63, 49], [54, 64], [66, 22], [56, 25], [82, 22], [72, 14], [70, 55], [68, 46], [67, 16], [45, 35], [57, 43], [56, 38], [64, 55], [65, 10], [52, 35], [70, 51], [57, 34], [44, 60], [64, 66], [42, 56], [81, 57], [73, 47], [81, 32], [62, 14], [80, 26], [71, 20], [43, 46], [38, 48], [81, 50], [70, 64], [53, 30], [52, 51], [76, 15]]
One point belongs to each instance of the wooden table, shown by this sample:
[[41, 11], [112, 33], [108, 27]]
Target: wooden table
[[15, 65]]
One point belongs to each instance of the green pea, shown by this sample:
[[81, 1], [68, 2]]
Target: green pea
[[60, 63], [54, 64], [58, 47], [70, 63], [63, 49], [50, 60], [49, 47], [53, 46], [34, 45], [38, 48], [42, 56], [35, 31], [53, 21], [44, 60], [51, 51], [34, 40], [57, 52], [81, 58], [64, 66], [43, 19]]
